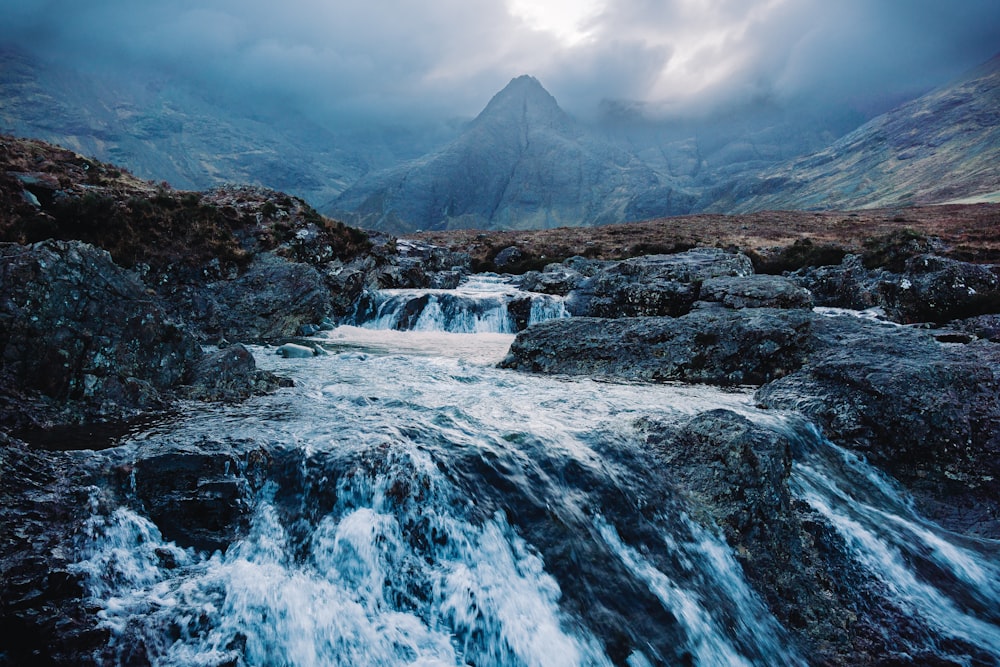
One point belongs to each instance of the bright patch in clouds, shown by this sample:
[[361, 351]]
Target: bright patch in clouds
[[447, 57], [565, 19]]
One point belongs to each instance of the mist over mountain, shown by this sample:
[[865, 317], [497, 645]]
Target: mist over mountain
[[523, 163], [163, 128], [943, 146]]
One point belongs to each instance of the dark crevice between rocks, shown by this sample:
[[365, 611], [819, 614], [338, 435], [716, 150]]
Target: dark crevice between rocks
[[92, 436]]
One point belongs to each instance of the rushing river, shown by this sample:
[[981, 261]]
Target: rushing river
[[427, 508]]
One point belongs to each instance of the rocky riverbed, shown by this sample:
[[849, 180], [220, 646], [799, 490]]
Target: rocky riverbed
[[125, 304]]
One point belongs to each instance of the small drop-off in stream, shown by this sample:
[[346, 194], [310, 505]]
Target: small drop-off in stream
[[423, 507]]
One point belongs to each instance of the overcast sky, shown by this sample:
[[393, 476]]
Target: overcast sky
[[449, 57]]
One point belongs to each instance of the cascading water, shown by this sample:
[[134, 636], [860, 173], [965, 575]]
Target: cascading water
[[940, 579], [423, 507], [485, 303]]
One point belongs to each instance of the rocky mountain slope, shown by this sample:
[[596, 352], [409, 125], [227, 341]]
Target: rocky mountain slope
[[522, 163], [940, 147], [543, 170], [195, 139]]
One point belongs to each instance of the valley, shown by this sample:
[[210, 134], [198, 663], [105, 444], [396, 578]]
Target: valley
[[283, 386]]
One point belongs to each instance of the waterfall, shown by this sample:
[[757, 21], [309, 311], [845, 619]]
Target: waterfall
[[429, 509], [939, 578], [485, 303]]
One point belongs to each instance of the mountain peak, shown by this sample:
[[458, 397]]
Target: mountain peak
[[526, 84], [524, 99]]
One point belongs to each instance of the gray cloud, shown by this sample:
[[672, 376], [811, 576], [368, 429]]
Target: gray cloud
[[390, 58]]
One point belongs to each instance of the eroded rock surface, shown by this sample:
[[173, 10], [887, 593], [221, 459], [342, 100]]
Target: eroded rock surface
[[713, 346], [83, 334], [83, 340], [654, 284], [926, 412]]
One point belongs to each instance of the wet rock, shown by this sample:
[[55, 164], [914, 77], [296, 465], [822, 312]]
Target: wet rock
[[53, 503], [735, 474], [295, 351], [445, 279], [937, 289], [735, 469], [520, 312], [199, 495], [43, 503], [268, 301], [924, 411], [927, 289], [230, 374], [986, 327], [654, 284], [585, 266], [757, 291], [84, 335], [347, 282], [561, 278], [308, 330], [691, 266], [847, 285], [507, 256], [716, 346], [416, 264], [611, 295], [556, 279]]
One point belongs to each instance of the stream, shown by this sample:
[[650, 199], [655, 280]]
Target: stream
[[427, 508]]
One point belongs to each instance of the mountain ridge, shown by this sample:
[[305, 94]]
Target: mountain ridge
[[939, 147], [522, 163], [165, 129]]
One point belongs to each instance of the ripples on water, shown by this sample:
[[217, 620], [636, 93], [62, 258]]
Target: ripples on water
[[427, 508]]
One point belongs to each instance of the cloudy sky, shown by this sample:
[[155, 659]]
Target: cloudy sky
[[449, 57]]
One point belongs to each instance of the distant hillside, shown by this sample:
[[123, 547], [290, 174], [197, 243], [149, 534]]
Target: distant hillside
[[163, 129], [941, 147], [523, 163]]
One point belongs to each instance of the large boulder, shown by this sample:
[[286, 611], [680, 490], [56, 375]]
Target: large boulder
[[846, 285], [757, 291], [654, 284], [928, 288], [714, 346], [268, 301], [230, 374], [926, 412], [199, 495], [738, 475], [735, 473], [732, 468], [83, 340], [561, 278], [937, 289], [83, 333], [416, 264]]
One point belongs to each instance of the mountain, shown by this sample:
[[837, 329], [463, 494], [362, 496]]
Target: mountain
[[941, 147], [523, 163], [165, 129]]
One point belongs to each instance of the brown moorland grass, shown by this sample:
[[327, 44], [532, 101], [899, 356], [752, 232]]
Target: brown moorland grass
[[776, 240]]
